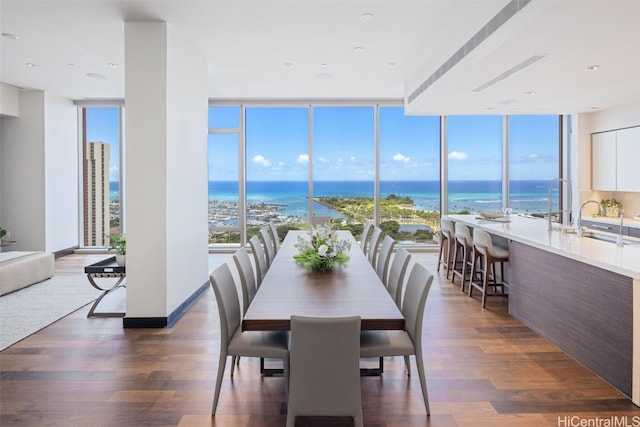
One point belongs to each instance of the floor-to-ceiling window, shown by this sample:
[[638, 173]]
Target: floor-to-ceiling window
[[409, 175], [343, 165], [224, 186], [277, 167], [103, 207], [355, 163], [475, 163], [534, 162]]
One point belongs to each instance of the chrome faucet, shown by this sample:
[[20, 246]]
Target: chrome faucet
[[619, 240], [568, 211], [579, 220]]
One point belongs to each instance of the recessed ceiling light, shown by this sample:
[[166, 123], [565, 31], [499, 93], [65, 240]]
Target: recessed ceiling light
[[71, 65], [366, 16], [113, 65], [358, 49], [97, 76], [594, 108], [322, 76], [10, 36], [591, 67], [391, 64], [489, 109], [287, 65], [31, 65], [529, 93], [323, 65]]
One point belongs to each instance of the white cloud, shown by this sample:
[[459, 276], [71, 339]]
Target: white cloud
[[399, 157], [458, 155], [322, 160], [303, 158], [261, 160], [533, 156], [353, 158]]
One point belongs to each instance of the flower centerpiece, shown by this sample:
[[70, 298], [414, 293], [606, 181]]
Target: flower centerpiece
[[323, 250]]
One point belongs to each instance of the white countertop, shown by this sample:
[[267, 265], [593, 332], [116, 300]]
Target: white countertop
[[532, 231]]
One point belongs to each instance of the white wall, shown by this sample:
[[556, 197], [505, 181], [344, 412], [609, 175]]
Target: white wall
[[38, 173], [187, 170], [23, 173], [166, 169], [146, 166], [61, 173], [9, 101]]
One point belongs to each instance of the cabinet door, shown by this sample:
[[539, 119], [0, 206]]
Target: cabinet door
[[603, 161], [628, 159]]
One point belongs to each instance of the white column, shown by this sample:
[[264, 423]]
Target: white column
[[166, 169]]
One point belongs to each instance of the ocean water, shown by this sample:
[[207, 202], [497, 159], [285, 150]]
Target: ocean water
[[476, 196]]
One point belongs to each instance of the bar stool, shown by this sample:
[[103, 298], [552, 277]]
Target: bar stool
[[447, 242], [491, 255], [462, 263]]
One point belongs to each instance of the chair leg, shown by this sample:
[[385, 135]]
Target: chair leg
[[285, 371], [216, 394], [450, 257], [440, 255], [485, 282], [357, 419], [455, 262], [291, 421], [465, 259], [407, 363], [423, 380]]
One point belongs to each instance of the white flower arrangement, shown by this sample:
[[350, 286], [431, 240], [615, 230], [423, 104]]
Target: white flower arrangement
[[323, 250]]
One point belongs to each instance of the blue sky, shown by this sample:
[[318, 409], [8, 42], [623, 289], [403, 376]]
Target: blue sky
[[277, 144], [103, 126]]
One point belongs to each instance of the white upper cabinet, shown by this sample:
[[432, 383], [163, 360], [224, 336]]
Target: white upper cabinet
[[615, 160], [628, 159], [603, 161]]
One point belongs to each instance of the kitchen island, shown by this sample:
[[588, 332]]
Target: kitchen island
[[581, 293]]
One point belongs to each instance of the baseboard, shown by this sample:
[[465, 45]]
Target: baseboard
[[64, 252], [170, 320]]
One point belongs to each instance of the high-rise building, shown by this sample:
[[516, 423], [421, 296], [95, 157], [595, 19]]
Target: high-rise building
[[96, 194]]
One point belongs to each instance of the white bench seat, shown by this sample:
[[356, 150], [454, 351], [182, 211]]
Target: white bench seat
[[19, 269]]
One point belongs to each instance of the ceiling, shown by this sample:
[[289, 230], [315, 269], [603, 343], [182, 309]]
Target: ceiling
[[348, 49]]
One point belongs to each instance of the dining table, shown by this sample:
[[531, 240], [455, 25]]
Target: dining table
[[288, 289]]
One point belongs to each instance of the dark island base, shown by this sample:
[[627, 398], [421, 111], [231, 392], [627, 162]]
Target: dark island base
[[584, 310]]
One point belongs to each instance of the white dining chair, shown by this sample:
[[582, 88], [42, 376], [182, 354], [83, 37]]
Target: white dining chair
[[267, 243], [234, 342], [275, 236], [372, 251], [260, 259], [247, 277], [364, 239], [324, 374], [384, 256], [397, 271], [408, 342]]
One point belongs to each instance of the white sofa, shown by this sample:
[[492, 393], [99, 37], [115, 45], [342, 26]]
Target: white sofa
[[20, 268]]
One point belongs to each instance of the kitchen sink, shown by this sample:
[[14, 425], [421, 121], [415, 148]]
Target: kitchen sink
[[611, 238]]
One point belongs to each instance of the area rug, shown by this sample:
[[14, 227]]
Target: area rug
[[30, 309]]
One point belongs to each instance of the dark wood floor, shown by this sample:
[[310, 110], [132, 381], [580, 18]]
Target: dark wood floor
[[484, 368]]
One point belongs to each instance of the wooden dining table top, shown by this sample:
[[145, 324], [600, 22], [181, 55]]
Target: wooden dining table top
[[288, 289]]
